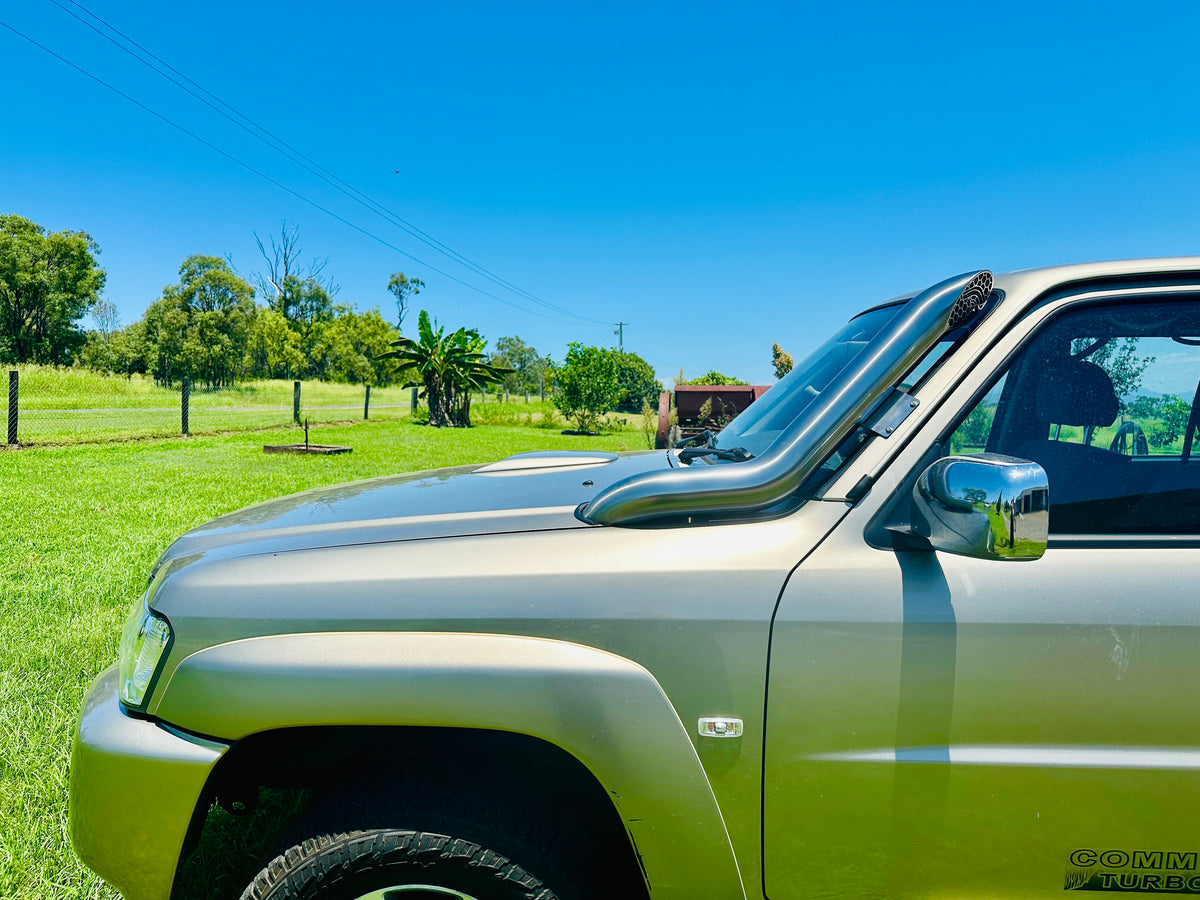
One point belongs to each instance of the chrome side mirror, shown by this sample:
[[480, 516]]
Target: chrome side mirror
[[983, 505]]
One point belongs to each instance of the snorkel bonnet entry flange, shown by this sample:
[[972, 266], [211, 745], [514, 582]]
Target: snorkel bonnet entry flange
[[744, 487]]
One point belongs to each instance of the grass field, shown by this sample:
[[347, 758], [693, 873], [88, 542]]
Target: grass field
[[68, 405], [56, 387], [82, 526]]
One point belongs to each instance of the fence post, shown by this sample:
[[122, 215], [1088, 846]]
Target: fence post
[[185, 395], [367, 404], [296, 402], [12, 405], [414, 401]]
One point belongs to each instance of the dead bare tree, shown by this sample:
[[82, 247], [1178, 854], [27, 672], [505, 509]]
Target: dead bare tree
[[287, 280]]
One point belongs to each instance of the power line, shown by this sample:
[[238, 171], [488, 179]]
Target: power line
[[278, 183], [263, 135], [293, 154]]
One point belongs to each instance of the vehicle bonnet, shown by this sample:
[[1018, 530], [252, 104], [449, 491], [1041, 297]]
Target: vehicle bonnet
[[525, 492]]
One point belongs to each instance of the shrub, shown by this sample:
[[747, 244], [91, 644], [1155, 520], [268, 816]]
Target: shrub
[[635, 378], [649, 426], [587, 385]]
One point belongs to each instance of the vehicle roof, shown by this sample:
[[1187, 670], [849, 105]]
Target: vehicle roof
[[1037, 280], [1030, 282]]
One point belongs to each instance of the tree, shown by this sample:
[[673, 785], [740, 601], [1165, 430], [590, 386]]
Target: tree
[[311, 304], [121, 353], [47, 283], [128, 350], [303, 296], [106, 317], [1172, 412], [588, 385], [200, 328], [976, 428], [449, 367], [781, 360], [712, 378], [356, 347], [403, 288], [528, 368], [294, 289], [273, 347], [97, 351], [636, 382]]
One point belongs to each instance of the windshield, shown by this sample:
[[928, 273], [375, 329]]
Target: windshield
[[763, 421]]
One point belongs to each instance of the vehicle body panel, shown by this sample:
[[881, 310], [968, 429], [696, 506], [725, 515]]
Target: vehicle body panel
[[997, 721], [691, 605], [607, 712], [529, 491], [134, 787]]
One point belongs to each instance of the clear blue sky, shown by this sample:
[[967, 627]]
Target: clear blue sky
[[717, 175]]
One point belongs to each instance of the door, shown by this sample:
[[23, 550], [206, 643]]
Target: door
[[939, 726]]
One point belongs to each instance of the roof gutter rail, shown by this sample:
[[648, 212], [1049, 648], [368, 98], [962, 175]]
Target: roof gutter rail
[[771, 478]]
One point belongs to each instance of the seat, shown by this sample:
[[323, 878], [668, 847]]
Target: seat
[[1075, 392]]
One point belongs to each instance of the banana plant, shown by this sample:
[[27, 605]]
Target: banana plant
[[447, 367]]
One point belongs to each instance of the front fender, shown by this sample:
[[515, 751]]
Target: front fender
[[606, 711]]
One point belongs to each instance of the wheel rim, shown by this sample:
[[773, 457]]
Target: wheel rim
[[416, 892]]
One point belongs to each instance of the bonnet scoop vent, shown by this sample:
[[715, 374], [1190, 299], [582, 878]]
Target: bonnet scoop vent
[[548, 459]]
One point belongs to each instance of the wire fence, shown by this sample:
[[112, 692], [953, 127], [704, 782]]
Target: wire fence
[[47, 405]]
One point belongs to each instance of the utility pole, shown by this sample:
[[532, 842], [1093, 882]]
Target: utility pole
[[619, 331]]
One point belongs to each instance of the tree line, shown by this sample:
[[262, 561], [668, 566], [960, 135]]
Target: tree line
[[215, 327], [208, 327]]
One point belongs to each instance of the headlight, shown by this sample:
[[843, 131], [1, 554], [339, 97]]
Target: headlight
[[144, 642]]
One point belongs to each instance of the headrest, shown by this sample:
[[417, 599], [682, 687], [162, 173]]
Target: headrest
[[1076, 392]]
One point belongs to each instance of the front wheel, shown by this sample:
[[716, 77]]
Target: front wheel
[[394, 864]]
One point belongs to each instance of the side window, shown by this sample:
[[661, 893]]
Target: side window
[[1105, 398]]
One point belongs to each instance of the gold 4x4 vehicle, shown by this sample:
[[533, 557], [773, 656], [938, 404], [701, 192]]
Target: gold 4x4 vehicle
[[824, 653]]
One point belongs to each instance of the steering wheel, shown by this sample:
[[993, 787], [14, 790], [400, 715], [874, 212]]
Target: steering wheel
[[1130, 440]]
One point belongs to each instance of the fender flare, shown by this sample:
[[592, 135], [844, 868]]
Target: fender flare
[[605, 710]]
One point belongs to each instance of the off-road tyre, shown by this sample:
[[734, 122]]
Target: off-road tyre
[[350, 865], [358, 841]]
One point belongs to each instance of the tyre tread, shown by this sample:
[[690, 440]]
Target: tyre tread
[[323, 862]]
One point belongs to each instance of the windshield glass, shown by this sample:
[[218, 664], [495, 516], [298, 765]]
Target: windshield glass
[[763, 421]]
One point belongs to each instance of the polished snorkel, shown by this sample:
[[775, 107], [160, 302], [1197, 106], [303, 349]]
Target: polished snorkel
[[744, 487]]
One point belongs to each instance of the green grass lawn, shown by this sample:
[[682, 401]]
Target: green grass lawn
[[68, 405], [58, 387], [83, 524]]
